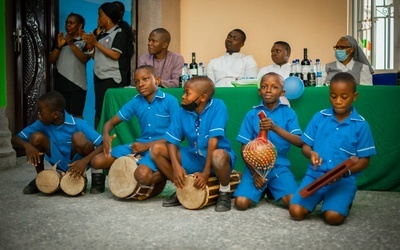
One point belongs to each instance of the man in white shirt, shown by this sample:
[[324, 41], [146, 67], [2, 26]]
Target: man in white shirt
[[280, 53], [233, 64]]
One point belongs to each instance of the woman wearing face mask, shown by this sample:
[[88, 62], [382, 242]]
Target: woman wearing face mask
[[350, 58]]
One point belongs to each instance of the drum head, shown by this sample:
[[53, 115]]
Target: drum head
[[191, 197], [48, 181], [72, 186], [121, 179]]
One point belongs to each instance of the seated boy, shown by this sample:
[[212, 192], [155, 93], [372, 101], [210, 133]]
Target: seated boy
[[153, 109], [283, 129], [202, 122], [57, 136], [332, 136]]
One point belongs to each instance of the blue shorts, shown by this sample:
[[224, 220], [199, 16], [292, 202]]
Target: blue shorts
[[57, 155], [337, 196], [280, 181], [124, 150], [193, 163]]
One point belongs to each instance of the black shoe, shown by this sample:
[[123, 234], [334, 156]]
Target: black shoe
[[171, 201], [223, 202], [98, 183], [268, 194], [31, 188]]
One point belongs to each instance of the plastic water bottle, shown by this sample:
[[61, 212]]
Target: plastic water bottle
[[184, 75], [293, 68], [201, 70], [318, 73]]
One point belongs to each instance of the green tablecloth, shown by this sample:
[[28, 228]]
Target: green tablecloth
[[377, 104]]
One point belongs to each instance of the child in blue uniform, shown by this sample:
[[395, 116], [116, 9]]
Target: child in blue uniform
[[153, 109], [283, 130], [202, 122], [332, 136], [58, 136]]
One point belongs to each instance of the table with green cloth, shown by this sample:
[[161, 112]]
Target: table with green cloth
[[377, 104]]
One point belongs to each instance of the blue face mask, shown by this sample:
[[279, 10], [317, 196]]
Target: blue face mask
[[341, 55]]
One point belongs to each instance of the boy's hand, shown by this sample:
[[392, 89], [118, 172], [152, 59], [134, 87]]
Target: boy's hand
[[267, 124], [315, 159], [179, 177], [107, 140], [33, 156], [259, 181], [76, 169], [200, 180], [138, 147]]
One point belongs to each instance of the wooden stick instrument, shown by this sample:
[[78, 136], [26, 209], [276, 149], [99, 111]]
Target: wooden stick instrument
[[329, 176]]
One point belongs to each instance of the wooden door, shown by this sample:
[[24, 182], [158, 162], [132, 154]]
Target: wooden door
[[34, 30]]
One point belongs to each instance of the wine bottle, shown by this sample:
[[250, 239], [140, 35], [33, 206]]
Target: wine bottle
[[305, 67], [193, 67]]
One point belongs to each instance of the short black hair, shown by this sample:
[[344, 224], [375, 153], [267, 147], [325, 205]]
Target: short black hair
[[285, 45], [79, 18], [242, 33], [148, 67], [164, 32], [346, 78], [53, 99]]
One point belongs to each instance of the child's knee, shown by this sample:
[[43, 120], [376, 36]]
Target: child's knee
[[220, 158], [37, 138], [297, 212], [157, 149], [333, 218], [242, 203], [143, 175]]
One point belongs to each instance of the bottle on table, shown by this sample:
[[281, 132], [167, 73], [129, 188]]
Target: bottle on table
[[305, 67], [299, 73], [184, 75], [201, 70], [193, 67], [293, 68], [311, 77], [318, 73]]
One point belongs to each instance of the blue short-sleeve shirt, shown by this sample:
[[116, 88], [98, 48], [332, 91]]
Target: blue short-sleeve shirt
[[154, 117], [61, 135], [198, 129], [335, 142], [283, 116]]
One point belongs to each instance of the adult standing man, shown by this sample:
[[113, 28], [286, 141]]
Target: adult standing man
[[233, 64], [167, 63]]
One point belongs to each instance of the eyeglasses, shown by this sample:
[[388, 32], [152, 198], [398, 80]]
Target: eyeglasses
[[341, 47]]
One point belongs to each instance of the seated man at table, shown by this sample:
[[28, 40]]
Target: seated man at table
[[153, 109], [167, 63], [233, 64], [280, 53]]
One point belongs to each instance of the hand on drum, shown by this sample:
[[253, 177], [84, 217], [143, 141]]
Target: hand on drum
[[77, 168], [200, 180], [179, 177], [259, 181]]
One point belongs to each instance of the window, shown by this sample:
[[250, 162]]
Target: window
[[376, 25]]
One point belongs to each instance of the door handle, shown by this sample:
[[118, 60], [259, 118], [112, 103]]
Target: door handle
[[17, 34]]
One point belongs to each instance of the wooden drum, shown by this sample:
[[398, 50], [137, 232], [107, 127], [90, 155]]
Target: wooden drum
[[193, 198], [123, 184], [48, 181], [72, 186]]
